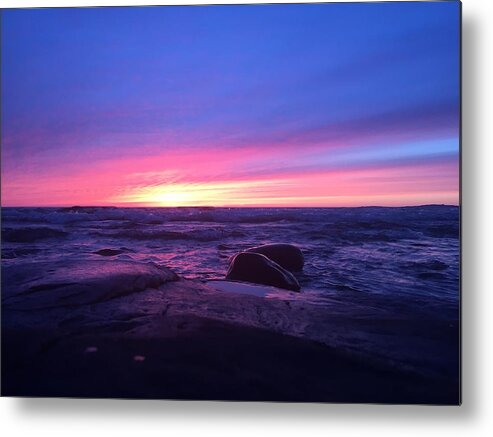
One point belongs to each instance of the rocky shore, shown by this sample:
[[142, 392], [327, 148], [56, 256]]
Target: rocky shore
[[112, 328]]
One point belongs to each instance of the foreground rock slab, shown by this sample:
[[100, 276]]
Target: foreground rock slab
[[45, 285], [119, 334]]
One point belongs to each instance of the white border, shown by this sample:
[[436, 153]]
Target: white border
[[85, 418]]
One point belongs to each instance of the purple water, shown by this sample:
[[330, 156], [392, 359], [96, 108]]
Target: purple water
[[411, 251], [381, 284]]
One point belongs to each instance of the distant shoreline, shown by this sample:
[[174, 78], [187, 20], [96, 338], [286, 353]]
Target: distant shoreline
[[230, 207]]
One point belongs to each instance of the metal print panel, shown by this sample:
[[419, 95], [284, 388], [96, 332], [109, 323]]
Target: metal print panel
[[243, 202]]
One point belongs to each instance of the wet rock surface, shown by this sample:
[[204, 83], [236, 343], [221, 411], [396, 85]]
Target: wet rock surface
[[109, 328], [257, 268], [287, 256], [45, 285]]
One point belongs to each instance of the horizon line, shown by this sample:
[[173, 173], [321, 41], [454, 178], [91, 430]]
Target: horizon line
[[229, 207]]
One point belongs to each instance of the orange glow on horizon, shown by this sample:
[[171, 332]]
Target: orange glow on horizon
[[343, 188], [195, 194], [235, 178]]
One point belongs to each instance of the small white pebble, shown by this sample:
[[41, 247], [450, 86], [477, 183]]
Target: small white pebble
[[91, 349], [139, 358]]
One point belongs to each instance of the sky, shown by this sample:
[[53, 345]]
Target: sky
[[346, 104]]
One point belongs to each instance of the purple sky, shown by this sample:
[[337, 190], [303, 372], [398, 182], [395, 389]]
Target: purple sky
[[286, 105]]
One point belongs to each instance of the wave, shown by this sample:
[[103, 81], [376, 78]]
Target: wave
[[366, 217], [160, 234], [30, 234]]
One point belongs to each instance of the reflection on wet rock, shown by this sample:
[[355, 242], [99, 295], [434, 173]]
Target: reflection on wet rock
[[286, 255], [257, 268]]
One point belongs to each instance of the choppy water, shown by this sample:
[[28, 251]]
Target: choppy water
[[412, 251]]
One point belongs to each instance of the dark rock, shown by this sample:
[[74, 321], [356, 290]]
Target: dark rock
[[257, 268], [286, 255], [108, 252]]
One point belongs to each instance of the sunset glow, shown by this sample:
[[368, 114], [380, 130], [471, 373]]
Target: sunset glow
[[319, 105]]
